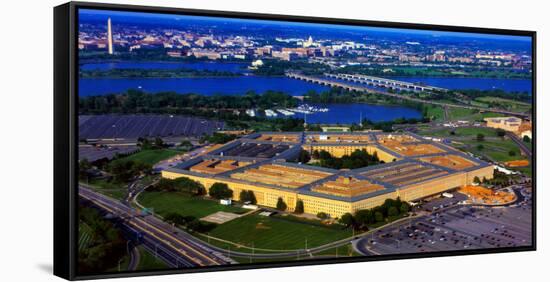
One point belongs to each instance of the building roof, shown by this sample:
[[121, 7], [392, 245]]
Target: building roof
[[417, 160]]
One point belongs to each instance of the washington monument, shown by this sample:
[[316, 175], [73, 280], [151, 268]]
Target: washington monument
[[109, 37]]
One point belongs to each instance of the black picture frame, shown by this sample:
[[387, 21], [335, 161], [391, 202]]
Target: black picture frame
[[66, 132]]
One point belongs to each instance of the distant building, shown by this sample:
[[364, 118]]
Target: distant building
[[512, 124], [507, 123], [109, 37], [335, 129]]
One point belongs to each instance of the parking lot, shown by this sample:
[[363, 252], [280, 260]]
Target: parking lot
[[454, 228]]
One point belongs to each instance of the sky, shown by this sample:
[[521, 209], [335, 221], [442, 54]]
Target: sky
[[168, 17]]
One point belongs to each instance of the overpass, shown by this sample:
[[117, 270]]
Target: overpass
[[386, 83], [332, 83]]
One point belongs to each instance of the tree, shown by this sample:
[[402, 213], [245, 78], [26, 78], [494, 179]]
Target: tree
[[315, 154], [526, 139], [480, 147], [511, 153], [220, 191], [477, 180], [304, 157], [247, 196], [322, 215], [393, 211], [501, 132], [378, 216], [83, 167], [174, 218], [347, 219], [281, 205], [180, 184], [124, 170], [404, 208], [186, 144], [363, 217], [480, 137], [159, 143], [299, 207]]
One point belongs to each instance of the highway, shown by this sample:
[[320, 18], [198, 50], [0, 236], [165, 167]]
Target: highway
[[157, 235], [351, 87]]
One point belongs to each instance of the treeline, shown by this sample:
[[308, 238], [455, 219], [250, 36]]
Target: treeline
[[105, 246], [343, 96], [218, 138], [137, 101], [140, 55], [272, 67], [154, 73], [124, 170], [181, 184], [387, 126], [357, 159], [474, 72], [230, 109], [390, 210], [517, 96]]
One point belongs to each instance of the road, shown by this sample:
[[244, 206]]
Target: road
[[156, 234], [526, 150]]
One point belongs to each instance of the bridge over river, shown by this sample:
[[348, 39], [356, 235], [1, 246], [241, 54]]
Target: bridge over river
[[331, 80]]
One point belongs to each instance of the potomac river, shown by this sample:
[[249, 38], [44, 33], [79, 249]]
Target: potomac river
[[338, 113]]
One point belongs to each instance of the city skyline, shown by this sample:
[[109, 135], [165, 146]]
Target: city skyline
[[128, 15]]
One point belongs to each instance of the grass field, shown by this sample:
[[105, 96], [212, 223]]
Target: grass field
[[152, 156], [111, 189], [435, 112], [509, 104], [342, 251], [494, 150], [460, 113], [277, 233], [183, 204], [148, 261], [438, 113], [461, 132]]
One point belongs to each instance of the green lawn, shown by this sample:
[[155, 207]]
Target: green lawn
[[277, 233], [525, 170], [183, 204], [474, 131], [148, 261], [494, 150], [509, 104], [152, 156], [342, 251], [435, 112], [111, 189], [460, 113], [461, 132]]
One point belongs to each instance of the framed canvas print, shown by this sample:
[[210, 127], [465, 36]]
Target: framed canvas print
[[194, 140]]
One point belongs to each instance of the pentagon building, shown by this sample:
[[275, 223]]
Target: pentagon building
[[412, 168]]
